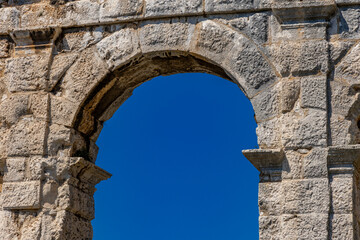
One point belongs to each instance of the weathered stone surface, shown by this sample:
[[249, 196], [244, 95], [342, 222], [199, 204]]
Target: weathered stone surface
[[234, 5], [79, 13], [14, 170], [300, 58], [305, 226], [171, 7], [269, 228], [62, 111], [21, 195], [166, 35], [349, 22], [120, 47], [292, 165], [9, 19], [114, 9], [290, 91], [60, 64], [37, 16], [306, 196], [27, 137], [75, 40], [314, 92], [342, 193], [26, 73], [269, 133], [266, 104], [270, 199], [342, 226], [315, 164], [4, 48], [349, 69], [255, 26], [14, 107], [83, 75]]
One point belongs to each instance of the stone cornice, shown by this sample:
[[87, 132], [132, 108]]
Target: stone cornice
[[343, 159]]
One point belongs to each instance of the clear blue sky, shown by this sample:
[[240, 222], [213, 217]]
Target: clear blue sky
[[174, 149]]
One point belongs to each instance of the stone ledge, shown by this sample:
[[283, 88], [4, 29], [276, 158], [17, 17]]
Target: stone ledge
[[344, 159]]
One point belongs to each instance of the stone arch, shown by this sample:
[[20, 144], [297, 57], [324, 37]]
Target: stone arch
[[104, 75]]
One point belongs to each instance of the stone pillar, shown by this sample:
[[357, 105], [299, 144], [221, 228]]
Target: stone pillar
[[343, 162]]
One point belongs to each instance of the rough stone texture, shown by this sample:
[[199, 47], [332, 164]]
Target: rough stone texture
[[21, 195], [66, 66]]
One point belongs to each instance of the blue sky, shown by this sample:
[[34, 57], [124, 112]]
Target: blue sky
[[174, 149]]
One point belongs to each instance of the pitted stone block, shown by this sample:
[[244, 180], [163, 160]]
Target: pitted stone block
[[21, 195]]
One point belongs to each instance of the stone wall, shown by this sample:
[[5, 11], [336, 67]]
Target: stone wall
[[66, 67]]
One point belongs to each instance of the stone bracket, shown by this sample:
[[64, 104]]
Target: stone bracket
[[267, 161], [343, 159], [303, 10]]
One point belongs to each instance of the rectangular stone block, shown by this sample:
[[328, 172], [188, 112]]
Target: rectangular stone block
[[9, 19], [342, 193], [77, 201], [14, 169], [300, 58], [26, 73], [306, 196], [21, 195], [115, 9], [304, 128], [315, 164], [349, 25], [219, 6], [157, 8], [27, 137], [314, 92], [270, 198], [292, 165], [342, 226], [4, 48], [269, 133], [266, 104], [78, 13], [269, 228], [305, 226], [165, 34]]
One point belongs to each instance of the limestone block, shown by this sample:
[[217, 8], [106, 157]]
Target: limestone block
[[306, 196], [14, 169], [349, 22], [79, 13], [292, 165], [4, 137], [266, 104], [341, 98], [164, 35], [250, 67], [76, 40], [305, 226], [342, 226], [290, 91], [21, 195], [115, 9], [8, 227], [270, 198], [301, 31], [64, 139], [38, 16], [74, 200], [340, 130], [349, 68], [83, 75], [338, 49], [60, 64], [9, 19], [157, 8], [315, 163], [4, 48], [304, 128], [14, 107], [119, 48], [27, 137], [314, 92], [269, 133], [63, 111], [34, 168], [72, 227], [26, 73], [256, 26], [31, 228], [212, 6], [39, 105], [269, 228], [300, 58], [342, 191]]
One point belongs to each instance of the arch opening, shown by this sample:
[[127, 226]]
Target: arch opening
[[218, 184]]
